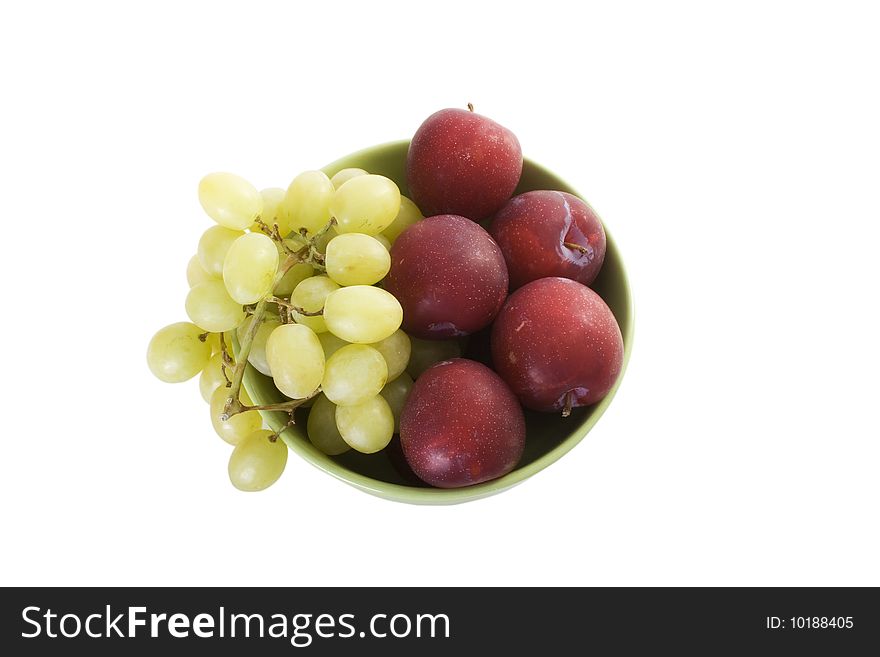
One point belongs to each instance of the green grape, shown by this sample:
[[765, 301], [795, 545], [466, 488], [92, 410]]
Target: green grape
[[230, 200], [292, 243], [365, 204], [362, 313], [330, 343], [384, 241], [213, 245], [257, 355], [213, 339], [271, 215], [324, 240], [250, 267], [196, 274], [395, 393], [396, 349], [293, 277], [210, 307], [228, 337], [257, 461], [239, 425], [353, 374], [356, 259], [427, 352], [322, 430], [344, 175], [307, 202], [296, 242], [212, 377], [310, 295], [295, 356], [367, 427], [408, 215], [176, 353]]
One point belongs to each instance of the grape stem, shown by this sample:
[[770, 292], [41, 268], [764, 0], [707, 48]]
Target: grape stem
[[308, 253], [284, 303], [293, 258], [225, 359], [233, 402], [287, 407], [274, 233], [290, 422], [315, 256], [306, 313], [324, 230], [303, 234]]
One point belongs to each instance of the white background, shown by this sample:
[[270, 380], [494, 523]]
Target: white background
[[733, 150]]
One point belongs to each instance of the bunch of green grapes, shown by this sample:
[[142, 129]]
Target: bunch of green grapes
[[292, 276]]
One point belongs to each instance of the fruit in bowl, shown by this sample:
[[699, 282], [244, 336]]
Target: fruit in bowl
[[462, 163], [448, 448], [449, 275], [557, 345], [546, 233], [338, 311]]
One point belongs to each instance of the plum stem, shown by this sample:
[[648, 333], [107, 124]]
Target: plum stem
[[576, 247], [569, 400], [470, 107]]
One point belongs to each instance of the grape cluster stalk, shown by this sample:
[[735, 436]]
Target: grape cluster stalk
[[308, 253], [293, 273]]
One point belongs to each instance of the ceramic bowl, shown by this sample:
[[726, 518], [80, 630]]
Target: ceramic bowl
[[549, 436]]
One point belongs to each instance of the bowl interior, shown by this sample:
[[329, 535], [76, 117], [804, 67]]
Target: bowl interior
[[549, 436]]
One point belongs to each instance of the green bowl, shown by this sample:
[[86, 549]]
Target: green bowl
[[548, 436]]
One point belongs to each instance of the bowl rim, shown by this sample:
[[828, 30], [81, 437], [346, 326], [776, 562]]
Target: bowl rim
[[427, 495]]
